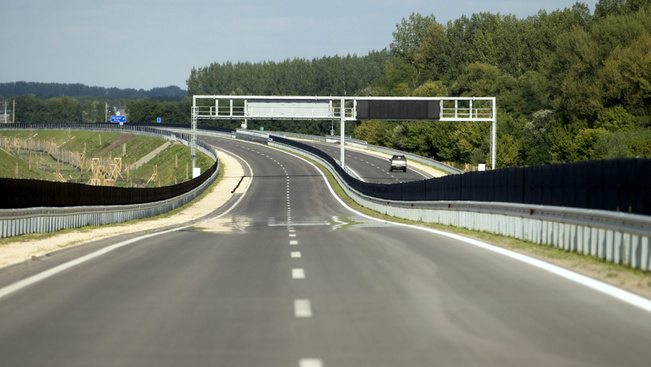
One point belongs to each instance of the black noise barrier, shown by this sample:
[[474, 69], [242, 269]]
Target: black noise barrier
[[21, 193], [621, 185]]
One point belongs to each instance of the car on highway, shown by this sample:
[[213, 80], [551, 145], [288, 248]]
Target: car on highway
[[398, 162]]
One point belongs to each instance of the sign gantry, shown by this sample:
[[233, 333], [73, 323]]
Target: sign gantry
[[459, 109]]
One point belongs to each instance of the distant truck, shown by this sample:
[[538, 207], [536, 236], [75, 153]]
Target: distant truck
[[398, 162]]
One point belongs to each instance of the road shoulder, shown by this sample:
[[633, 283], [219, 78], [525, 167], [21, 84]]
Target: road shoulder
[[28, 247]]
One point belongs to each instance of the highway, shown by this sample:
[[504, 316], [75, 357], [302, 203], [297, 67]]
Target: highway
[[291, 277], [370, 167]]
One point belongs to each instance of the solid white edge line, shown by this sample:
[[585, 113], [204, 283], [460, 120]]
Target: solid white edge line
[[243, 194], [605, 288], [356, 174], [65, 266], [5, 291]]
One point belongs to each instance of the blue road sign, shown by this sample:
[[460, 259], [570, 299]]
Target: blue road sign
[[116, 119]]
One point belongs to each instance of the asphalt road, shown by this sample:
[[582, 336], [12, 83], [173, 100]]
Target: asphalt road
[[291, 277], [370, 167]]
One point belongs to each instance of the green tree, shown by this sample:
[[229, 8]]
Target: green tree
[[430, 59], [633, 143], [30, 110], [626, 77], [374, 132], [583, 145], [430, 89], [509, 142], [615, 119], [443, 146], [63, 110], [604, 8], [479, 80], [410, 35], [535, 138], [571, 72]]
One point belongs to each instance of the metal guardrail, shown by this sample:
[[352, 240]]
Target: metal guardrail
[[329, 138], [15, 222], [363, 145], [414, 157], [620, 238]]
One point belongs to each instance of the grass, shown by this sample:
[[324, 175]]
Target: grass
[[168, 168], [171, 163], [9, 163]]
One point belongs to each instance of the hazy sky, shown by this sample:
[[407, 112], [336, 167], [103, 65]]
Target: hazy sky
[[156, 43]]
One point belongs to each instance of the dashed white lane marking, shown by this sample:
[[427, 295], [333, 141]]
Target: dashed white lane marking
[[298, 273], [310, 362], [292, 235], [293, 243], [295, 254], [302, 308]]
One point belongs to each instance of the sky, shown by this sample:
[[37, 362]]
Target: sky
[[143, 44]]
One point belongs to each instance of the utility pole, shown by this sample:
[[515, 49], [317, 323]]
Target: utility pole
[[13, 113]]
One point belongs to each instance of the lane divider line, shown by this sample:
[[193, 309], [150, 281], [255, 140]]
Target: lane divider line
[[298, 273], [302, 308], [310, 362]]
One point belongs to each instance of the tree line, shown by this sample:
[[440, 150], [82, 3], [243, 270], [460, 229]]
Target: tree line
[[338, 75], [51, 90], [571, 85]]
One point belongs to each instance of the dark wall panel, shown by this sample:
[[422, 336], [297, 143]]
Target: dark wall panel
[[22, 193], [395, 110]]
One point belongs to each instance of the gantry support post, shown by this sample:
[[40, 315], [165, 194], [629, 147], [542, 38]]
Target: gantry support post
[[342, 127], [193, 142], [493, 134]]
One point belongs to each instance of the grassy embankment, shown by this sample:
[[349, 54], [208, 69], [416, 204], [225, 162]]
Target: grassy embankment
[[173, 164]]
